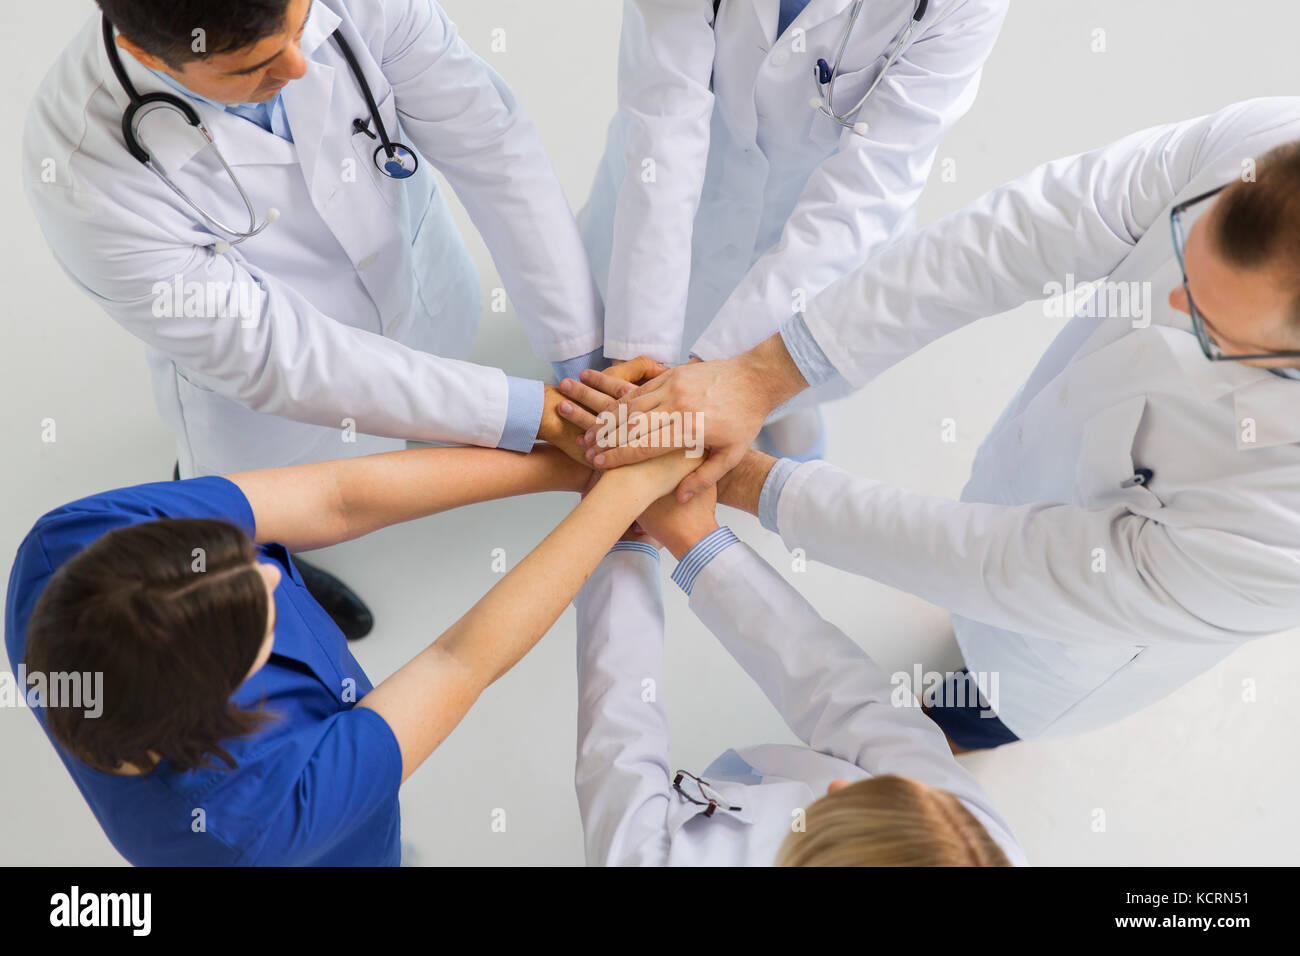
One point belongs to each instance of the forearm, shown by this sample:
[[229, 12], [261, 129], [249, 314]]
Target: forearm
[[425, 700], [515, 614], [742, 487], [324, 503]]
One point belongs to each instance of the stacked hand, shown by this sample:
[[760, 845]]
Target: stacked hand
[[559, 428], [725, 402]]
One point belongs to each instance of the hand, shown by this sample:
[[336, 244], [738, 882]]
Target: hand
[[554, 429], [651, 479], [726, 402], [680, 526], [588, 402]]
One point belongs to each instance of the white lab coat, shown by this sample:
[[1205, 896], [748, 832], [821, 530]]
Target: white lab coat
[[724, 199], [1090, 596], [369, 298], [830, 693]]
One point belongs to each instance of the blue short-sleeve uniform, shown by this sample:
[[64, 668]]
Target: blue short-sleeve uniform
[[317, 786]]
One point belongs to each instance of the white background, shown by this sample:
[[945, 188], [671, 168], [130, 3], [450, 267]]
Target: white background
[[1202, 777]]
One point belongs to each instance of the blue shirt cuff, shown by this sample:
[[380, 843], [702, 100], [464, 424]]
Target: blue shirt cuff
[[642, 546], [697, 559], [525, 400], [808, 356], [770, 496], [572, 368]]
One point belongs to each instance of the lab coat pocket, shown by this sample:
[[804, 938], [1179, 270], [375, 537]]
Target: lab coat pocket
[[849, 88], [735, 794], [363, 148], [1107, 473]]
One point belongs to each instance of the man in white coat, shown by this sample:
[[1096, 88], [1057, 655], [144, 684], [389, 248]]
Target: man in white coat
[[725, 200], [341, 328], [1134, 514]]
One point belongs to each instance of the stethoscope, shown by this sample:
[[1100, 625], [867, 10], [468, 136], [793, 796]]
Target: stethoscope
[[398, 161], [825, 75]]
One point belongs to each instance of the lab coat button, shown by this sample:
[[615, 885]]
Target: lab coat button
[[780, 58], [366, 263]]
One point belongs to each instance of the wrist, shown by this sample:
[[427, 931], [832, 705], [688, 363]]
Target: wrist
[[773, 371], [742, 487], [680, 540]]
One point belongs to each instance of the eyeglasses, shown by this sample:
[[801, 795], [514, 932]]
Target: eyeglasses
[[700, 793], [1208, 346]]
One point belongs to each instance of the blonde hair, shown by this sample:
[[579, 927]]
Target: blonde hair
[[890, 821]]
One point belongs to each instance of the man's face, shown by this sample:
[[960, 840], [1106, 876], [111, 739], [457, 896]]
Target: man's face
[[251, 74], [1245, 310]]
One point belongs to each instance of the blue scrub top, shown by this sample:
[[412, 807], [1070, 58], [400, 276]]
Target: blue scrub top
[[318, 786]]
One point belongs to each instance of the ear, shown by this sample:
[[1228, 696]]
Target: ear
[[146, 59]]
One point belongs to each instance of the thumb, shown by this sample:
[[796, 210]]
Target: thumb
[[720, 461]]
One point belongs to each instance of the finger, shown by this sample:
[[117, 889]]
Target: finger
[[606, 459], [708, 474], [590, 398], [577, 415], [610, 385], [636, 424], [637, 369]]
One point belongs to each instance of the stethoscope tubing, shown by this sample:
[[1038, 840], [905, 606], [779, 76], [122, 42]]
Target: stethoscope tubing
[[825, 100], [141, 106]]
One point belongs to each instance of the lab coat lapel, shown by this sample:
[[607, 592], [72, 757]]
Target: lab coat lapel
[[308, 101], [1264, 404], [767, 13]]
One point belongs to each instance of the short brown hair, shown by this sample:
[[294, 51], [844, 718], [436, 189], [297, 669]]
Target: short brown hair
[[173, 630], [890, 821], [1257, 222]]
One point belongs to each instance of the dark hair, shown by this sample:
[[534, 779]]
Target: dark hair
[[174, 631], [166, 28], [1258, 222]]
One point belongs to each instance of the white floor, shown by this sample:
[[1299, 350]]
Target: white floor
[[1194, 779]]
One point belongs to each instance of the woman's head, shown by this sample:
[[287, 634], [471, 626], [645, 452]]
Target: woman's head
[[889, 821], [175, 614]]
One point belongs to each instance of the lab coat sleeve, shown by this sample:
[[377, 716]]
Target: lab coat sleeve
[[1077, 216], [1056, 571], [665, 105], [859, 198], [461, 116], [273, 351], [622, 772], [830, 693]]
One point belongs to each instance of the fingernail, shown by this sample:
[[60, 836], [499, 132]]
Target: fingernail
[[590, 453], [585, 374], [565, 407], [599, 460], [688, 496], [566, 385], [591, 435]]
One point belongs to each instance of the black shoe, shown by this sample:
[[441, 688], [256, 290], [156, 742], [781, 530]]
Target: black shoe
[[176, 471], [348, 611]]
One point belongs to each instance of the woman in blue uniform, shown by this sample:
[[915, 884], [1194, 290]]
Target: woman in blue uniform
[[236, 727]]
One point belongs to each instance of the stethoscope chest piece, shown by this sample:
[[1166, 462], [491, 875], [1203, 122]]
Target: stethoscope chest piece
[[400, 165]]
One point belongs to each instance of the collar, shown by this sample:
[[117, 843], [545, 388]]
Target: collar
[[1265, 405]]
